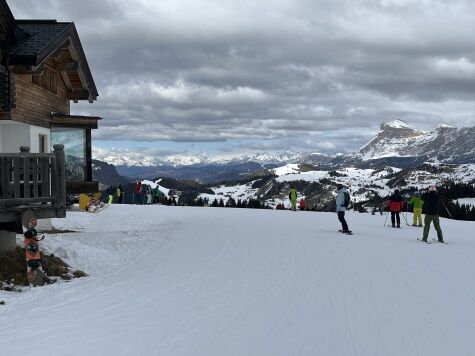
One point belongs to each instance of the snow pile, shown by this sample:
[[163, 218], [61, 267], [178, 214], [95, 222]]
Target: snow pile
[[155, 184], [466, 201], [209, 281], [287, 169]]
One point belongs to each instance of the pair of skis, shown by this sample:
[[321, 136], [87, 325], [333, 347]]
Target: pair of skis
[[432, 241], [346, 232]]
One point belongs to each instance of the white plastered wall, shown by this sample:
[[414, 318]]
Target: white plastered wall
[[35, 132], [14, 134]]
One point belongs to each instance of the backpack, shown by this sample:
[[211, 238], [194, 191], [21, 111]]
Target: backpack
[[347, 200]]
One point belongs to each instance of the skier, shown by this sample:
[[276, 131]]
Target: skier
[[156, 195], [148, 192], [110, 193], [417, 210], [378, 204], [431, 209], [396, 204], [137, 192], [293, 198], [302, 204], [120, 194], [341, 208]]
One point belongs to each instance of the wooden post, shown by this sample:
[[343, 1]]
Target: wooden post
[[7, 241], [60, 175]]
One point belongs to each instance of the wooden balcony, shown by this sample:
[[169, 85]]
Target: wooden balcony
[[32, 181]]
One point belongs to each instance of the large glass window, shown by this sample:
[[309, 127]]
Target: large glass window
[[74, 141]]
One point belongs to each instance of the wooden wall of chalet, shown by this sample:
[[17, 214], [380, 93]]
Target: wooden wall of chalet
[[35, 104]]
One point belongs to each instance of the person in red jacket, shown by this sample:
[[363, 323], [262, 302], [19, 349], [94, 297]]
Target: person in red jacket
[[396, 204], [137, 192]]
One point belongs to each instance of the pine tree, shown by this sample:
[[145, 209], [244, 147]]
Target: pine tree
[[231, 203]]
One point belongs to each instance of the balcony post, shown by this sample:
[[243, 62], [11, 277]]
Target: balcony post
[[61, 174]]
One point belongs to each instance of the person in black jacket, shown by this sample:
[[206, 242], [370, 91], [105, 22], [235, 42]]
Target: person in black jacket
[[396, 204], [431, 209]]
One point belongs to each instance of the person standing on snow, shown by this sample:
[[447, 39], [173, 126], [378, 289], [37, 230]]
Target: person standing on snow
[[156, 195], [148, 192], [341, 208], [417, 210], [378, 204], [143, 194], [293, 198], [431, 209], [110, 194], [137, 192], [396, 204], [120, 194]]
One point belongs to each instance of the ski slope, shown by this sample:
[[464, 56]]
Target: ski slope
[[237, 282]]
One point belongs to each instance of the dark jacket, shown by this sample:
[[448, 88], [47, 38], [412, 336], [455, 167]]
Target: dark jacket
[[431, 203]]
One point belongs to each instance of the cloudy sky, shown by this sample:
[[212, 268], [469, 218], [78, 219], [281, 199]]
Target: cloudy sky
[[229, 76]]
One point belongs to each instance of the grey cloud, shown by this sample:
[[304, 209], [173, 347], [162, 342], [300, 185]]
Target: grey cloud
[[188, 71]]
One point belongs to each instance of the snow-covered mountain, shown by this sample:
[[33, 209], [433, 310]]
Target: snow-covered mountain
[[135, 160], [443, 143], [396, 140], [397, 144], [318, 186]]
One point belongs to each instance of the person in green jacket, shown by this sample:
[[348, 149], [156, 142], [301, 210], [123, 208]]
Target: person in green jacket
[[417, 202], [156, 195], [293, 198]]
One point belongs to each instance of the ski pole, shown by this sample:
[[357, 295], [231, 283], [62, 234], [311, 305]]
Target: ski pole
[[405, 218], [386, 219], [445, 206]]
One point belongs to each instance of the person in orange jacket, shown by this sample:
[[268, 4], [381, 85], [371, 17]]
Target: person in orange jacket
[[396, 204]]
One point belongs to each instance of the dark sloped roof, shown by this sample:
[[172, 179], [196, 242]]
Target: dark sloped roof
[[36, 40], [7, 20]]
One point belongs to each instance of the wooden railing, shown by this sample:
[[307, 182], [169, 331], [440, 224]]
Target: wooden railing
[[28, 179]]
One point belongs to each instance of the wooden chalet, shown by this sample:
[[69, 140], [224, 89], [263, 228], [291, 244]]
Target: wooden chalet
[[42, 69]]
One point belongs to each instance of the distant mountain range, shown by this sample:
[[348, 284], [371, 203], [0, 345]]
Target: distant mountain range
[[397, 144]]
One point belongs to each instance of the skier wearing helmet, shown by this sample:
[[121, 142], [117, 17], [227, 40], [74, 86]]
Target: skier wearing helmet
[[417, 202], [431, 209]]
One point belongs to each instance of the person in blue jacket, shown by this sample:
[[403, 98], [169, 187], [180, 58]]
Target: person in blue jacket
[[341, 208]]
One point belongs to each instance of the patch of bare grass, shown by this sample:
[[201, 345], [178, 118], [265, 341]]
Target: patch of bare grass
[[13, 269]]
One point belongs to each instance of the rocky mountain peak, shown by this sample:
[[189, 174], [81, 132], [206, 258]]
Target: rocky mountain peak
[[395, 124], [392, 135]]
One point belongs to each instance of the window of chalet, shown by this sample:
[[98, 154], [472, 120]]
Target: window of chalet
[[74, 141], [48, 80]]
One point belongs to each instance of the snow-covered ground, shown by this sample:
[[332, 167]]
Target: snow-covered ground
[[210, 281]]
